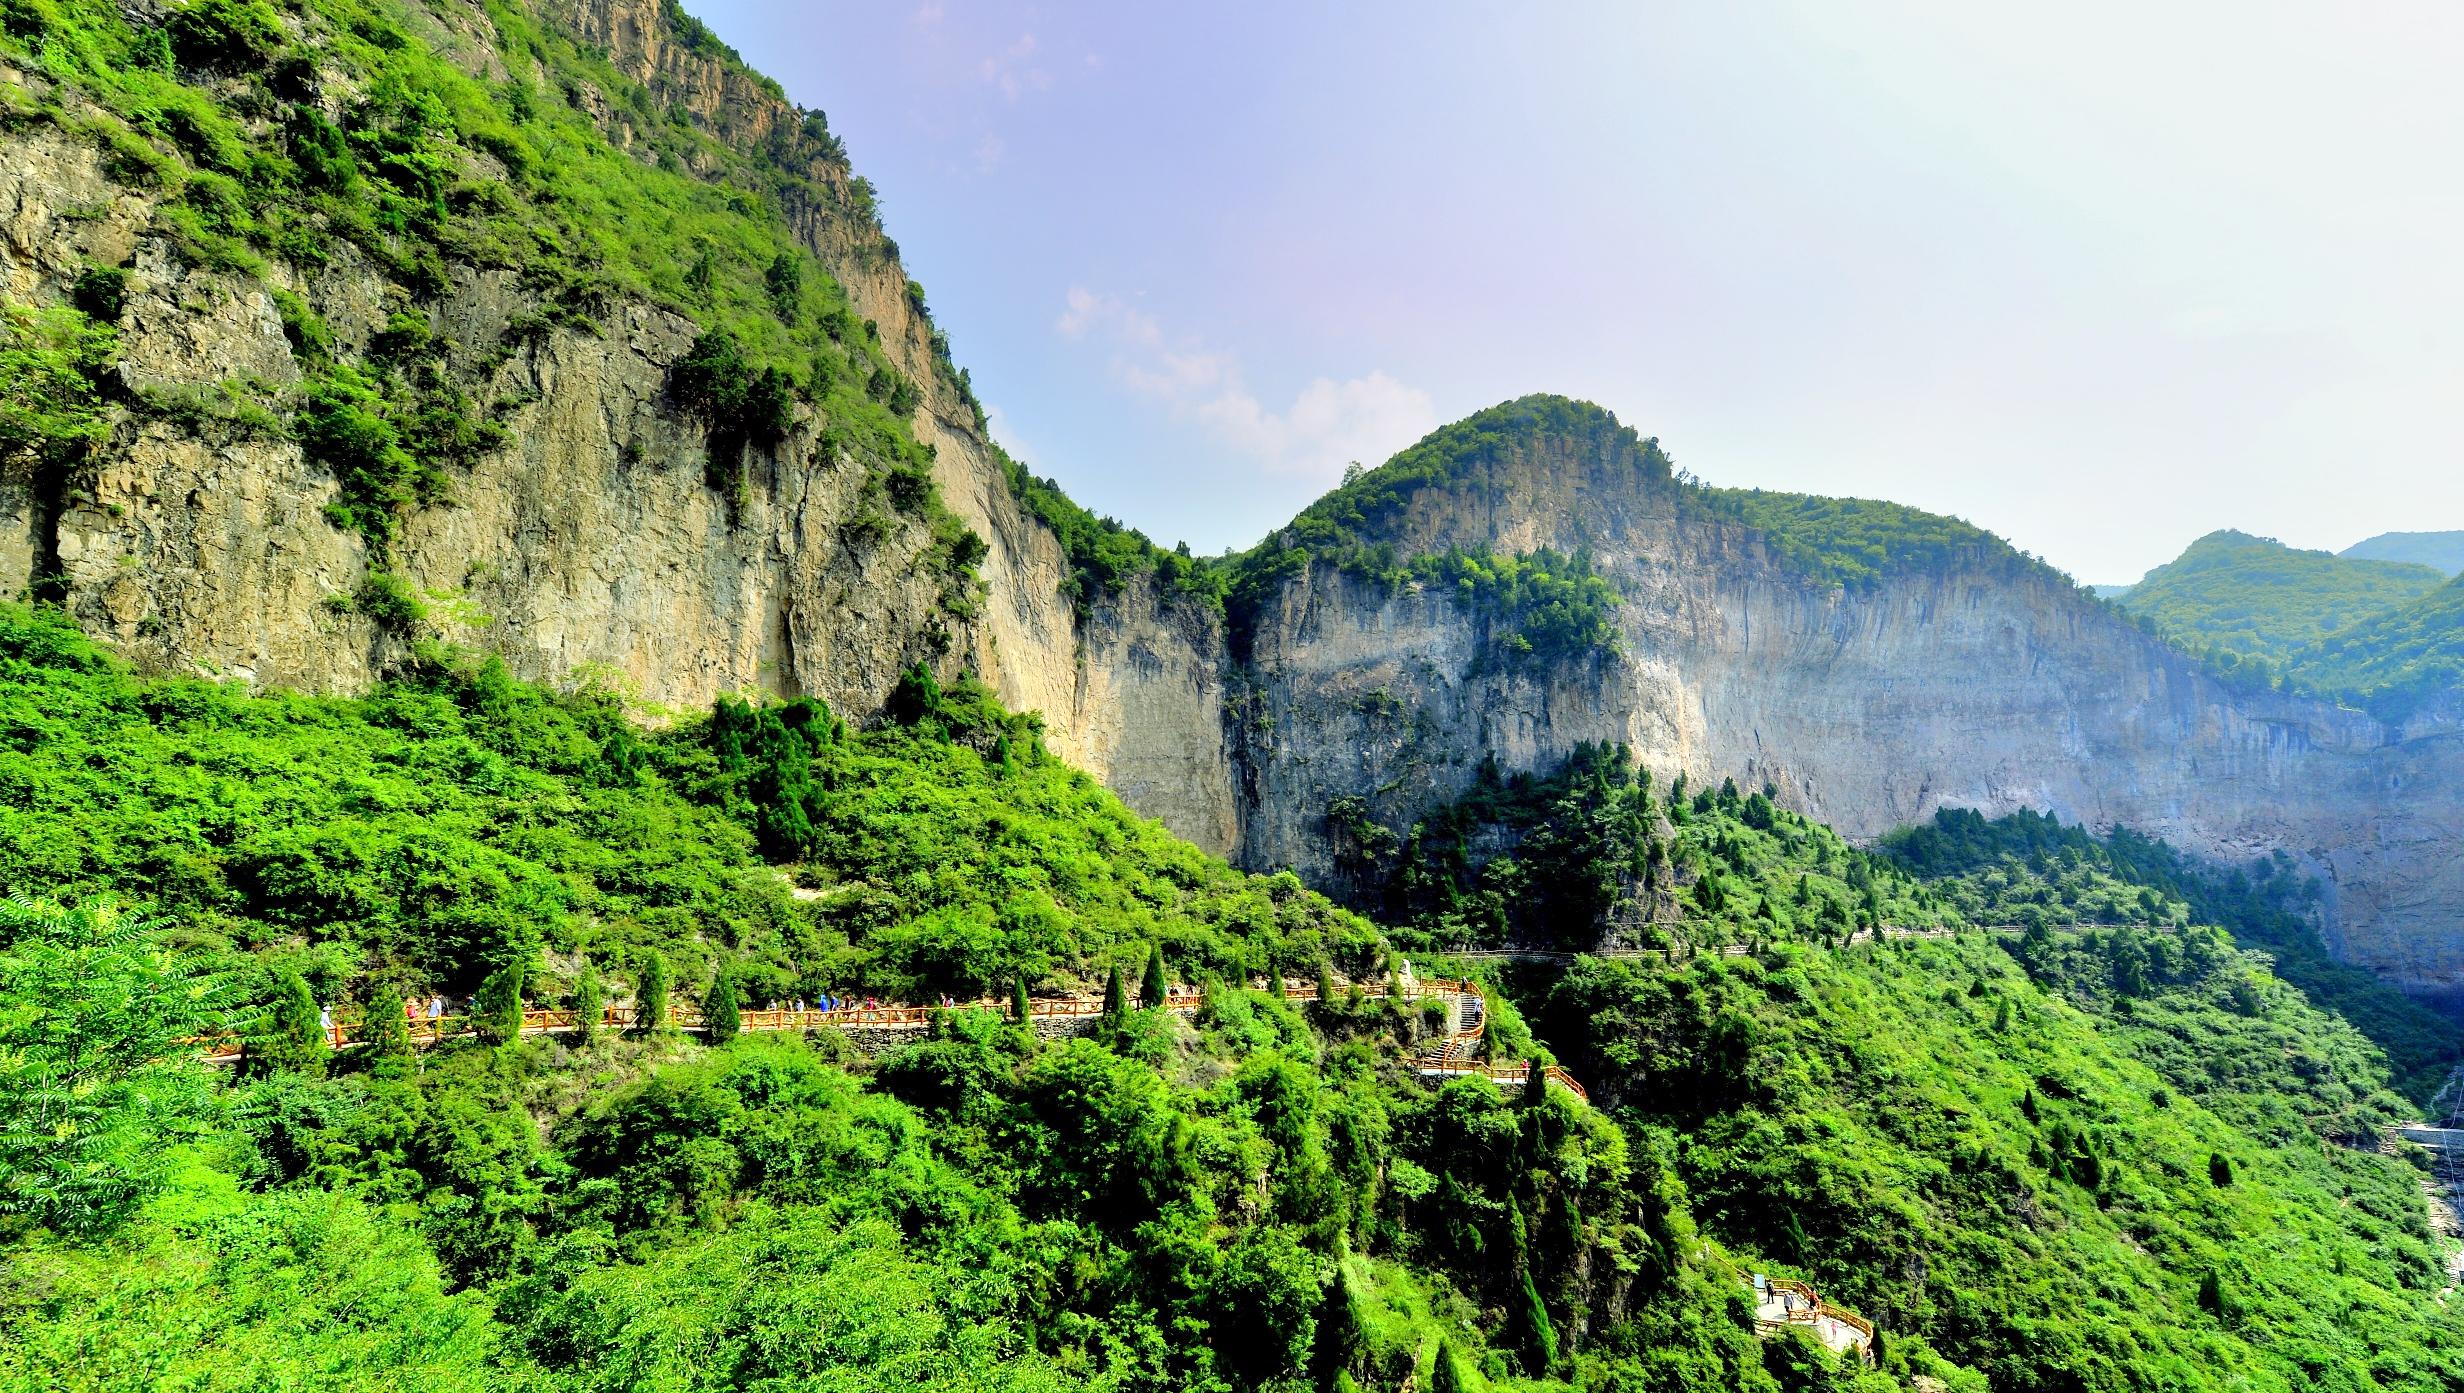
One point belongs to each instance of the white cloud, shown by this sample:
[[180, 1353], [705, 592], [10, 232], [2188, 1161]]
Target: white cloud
[[1328, 425], [1013, 70]]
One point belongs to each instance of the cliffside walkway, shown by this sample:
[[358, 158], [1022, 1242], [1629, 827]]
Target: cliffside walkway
[[429, 1031], [1781, 1304]]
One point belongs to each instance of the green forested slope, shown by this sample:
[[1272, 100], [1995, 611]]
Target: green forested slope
[[1263, 1197], [2255, 607], [2397, 660]]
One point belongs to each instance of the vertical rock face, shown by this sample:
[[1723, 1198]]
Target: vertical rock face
[[592, 547], [1987, 684]]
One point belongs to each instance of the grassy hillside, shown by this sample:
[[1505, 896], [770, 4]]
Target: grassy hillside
[[2114, 1162], [2442, 550], [2256, 607]]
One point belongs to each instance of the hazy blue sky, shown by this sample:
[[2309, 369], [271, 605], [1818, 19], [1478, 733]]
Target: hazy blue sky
[[2101, 279]]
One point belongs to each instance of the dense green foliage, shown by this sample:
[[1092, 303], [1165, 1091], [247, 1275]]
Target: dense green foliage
[[1853, 541], [2252, 605], [1593, 856], [2009, 1149], [1263, 1196], [1541, 606], [456, 821], [2394, 663], [2031, 870]]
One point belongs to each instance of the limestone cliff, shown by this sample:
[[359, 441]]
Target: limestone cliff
[[591, 546], [600, 540], [1978, 680]]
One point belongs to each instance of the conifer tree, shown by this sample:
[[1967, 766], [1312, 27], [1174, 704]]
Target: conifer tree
[[1116, 997], [722, 1015], [650, 993], [1154, 991], [385, 1030], [1020, 1008], [1446, 1374], [1534, 1333], [294, 1038], [1326, 984], [1274, 981], [589, 1003], [1343, 1331], [500, 1004], [2219, 1169]]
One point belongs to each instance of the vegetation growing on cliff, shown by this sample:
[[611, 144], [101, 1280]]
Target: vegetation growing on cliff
[[2009, 1156], [1592, 855], [1852, 541], [2031, 870], [2398, 661], [341, 131]]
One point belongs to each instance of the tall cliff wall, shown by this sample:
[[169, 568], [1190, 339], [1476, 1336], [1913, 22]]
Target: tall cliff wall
[[1986, 683], [592, 545]]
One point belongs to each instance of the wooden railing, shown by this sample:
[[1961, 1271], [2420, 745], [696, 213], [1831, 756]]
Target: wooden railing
[[1815, 1310], [348, 1027]]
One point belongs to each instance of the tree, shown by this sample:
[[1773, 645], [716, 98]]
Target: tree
[[1326, 984], [2211, 1293], [1116, 997], [1154, 991], [722, 1017], [1534, 1333], [1535, 1083], [2219, 1169], [500, 1004], [1343, 1330], [92, 1078], [292, 1039], [1020, 1009], [1446, 1372], [385, 1032], [650, 992], [589, 1003]]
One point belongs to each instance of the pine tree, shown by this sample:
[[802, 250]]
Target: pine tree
[[386, 1032], [293, 1040], [2027, 1105], [1154, 991], [1343, 1331], [1326, 984], [1116, 997], [650, 993], [589, 1004], [500, 1004], [1534, 1333], [722, 1017], [2219, 1169], [1274, 981], [2211, 1293], [1535, 1083], [1446, 1374], [1020, 1008]]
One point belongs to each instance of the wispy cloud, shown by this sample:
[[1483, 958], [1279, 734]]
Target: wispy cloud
[[1015, 69], [1329, 423]]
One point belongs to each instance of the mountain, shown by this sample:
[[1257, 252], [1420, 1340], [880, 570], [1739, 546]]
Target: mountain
[[559, 334], [2254, 597], [2398, 661], [2051, 1159], [498, 530], [2443, 550]]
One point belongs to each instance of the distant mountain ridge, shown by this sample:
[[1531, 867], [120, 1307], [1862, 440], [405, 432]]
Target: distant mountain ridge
[[2443, 550]]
